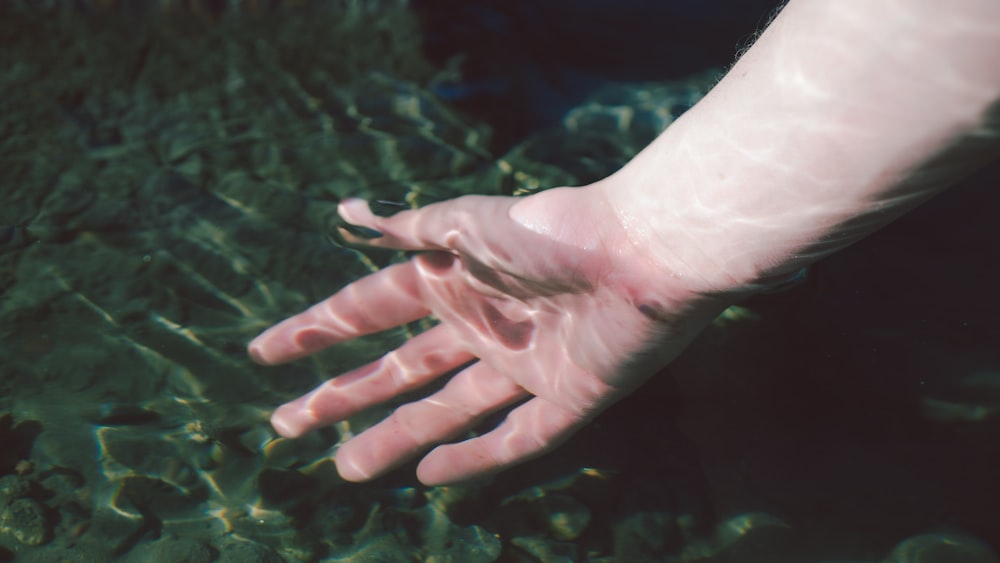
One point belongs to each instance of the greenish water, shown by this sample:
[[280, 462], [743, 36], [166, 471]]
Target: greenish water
[[169, 188]]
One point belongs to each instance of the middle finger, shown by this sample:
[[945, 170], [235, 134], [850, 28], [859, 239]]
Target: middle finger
[[417, 362], [470, 395]]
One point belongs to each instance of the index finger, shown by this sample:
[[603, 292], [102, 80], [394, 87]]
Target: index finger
[[438, 226], [377, 302]]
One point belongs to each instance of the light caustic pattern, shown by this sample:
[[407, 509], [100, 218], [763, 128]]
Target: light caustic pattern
[[551, 308]]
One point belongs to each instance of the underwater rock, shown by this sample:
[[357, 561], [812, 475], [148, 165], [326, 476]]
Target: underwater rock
[[75, 553], [471, 544], [303, 548], [141, 497], [63, 485], [125, 414], [942, 548], [339, 517], [16, 441], [646, 536], [25, 520], [245, 552], [970, 398], [171, 550], [550, 551], [567, 517], [740, 537], [12, 488], [117, 531]]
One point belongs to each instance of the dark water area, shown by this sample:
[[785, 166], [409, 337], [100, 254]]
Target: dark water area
[[168, 182], [524, 63]]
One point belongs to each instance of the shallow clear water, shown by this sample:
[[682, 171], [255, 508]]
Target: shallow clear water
[[169, 191]]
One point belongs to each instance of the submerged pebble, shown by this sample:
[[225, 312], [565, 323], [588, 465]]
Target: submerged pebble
[[13, 487], [25, 520], [171, 550], [567, 517], [246, 552]]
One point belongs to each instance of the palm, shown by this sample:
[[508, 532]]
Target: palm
[[549, 309]]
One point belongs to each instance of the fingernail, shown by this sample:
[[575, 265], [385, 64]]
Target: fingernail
[[387, 208], [361, 232], [253, 350], [293, 419]]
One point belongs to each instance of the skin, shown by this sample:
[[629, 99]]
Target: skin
[[842, 116]]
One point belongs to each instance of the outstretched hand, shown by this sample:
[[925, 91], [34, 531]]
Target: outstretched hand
[[551, 309]]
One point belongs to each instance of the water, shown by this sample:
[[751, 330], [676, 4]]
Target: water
[[168, 192]]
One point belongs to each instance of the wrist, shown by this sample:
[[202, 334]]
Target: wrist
[[702, 216], [586, 222], [807, 146]]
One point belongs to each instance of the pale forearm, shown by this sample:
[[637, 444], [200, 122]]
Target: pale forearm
[[841, 117]]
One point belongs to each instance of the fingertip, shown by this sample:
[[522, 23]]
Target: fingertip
[[436, 470], [256, 353], [355, 211], [427, 473], [292, 420], [262, 349], [448, 476], [430, 478], [349, 469], [353, 201]]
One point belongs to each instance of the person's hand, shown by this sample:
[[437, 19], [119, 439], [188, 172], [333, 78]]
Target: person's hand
[[543, 299]]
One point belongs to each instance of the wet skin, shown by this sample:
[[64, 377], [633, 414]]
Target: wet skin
[[552, 309]]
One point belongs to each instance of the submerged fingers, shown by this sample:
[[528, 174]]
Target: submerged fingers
[[529, 431], [414, 364], [469, 396]]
